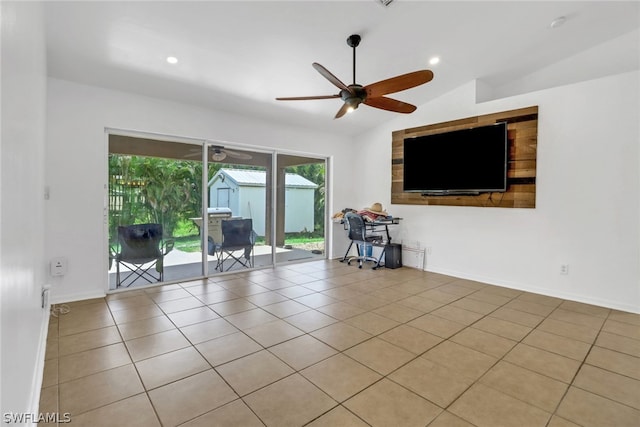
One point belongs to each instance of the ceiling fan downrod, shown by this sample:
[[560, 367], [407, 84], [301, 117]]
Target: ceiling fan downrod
[[353, 41]]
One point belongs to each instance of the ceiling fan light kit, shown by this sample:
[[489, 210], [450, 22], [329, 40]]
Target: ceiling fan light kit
[[372, 95], [217, 155]]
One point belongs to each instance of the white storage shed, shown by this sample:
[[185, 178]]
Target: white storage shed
[[244, 192]]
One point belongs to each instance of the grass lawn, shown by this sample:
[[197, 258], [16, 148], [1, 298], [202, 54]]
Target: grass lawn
[[192, 243], [187, 239], [187, 243]]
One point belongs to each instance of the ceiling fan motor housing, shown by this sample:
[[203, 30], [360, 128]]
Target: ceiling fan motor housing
[[355, 93]]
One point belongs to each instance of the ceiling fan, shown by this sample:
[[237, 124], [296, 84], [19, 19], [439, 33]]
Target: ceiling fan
[[372, 95], [218, 153]]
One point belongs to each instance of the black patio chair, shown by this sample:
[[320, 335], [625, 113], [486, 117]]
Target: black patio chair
[[237, 235], [141, 249]]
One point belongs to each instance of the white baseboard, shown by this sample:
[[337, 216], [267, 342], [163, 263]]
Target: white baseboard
[[38, 372], [616, 305], [59, 299]]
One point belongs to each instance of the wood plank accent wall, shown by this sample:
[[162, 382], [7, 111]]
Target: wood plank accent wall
[[522, 135]]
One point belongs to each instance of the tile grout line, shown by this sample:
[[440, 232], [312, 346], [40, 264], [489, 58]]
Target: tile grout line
[[387, 302], [144, 388]]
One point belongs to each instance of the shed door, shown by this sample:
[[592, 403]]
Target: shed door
[[223, 197]]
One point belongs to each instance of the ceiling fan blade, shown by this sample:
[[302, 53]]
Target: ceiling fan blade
[[342, 111], [237, 155], [327, 75], [306, 98], [398, 83], [390, 104]]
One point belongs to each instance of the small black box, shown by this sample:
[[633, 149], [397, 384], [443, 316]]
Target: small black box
[[393, 255]]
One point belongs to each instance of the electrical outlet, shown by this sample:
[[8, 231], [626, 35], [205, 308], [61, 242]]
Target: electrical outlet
[[58, 266], [428, 250], [564, 269]]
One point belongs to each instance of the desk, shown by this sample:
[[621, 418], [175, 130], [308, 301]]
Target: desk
[[378, 224], [372, 227]]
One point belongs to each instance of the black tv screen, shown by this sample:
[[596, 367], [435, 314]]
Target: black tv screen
[[467, 161]]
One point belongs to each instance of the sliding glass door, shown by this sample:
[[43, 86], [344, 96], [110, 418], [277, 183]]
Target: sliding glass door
[[180, 211], [166, 210]]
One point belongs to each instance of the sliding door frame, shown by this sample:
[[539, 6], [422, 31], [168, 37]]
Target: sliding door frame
[[203, 143]]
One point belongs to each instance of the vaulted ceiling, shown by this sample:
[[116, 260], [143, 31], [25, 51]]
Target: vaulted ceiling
[[238, 56]]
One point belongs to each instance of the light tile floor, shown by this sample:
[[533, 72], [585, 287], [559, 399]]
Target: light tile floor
[[325, 344]]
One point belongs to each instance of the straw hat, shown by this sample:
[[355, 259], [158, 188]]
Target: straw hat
[[376, 208]]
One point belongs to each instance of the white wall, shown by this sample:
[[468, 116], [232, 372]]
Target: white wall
[[587, 201], [76, 165], [22, 266]]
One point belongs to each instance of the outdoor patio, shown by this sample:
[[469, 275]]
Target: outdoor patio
[[180, 265]]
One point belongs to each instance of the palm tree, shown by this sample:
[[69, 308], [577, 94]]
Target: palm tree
[[155, 190]]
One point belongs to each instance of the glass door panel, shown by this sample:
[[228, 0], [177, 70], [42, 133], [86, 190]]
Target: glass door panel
[[300, 222], [155, 203], [239, 185]]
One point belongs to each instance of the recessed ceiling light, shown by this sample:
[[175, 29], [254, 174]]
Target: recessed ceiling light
[[434, 60], [559, 21], [172, 60]]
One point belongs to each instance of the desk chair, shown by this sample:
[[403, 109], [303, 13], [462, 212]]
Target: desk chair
[[357, 232], [237, 235], [141, 248]]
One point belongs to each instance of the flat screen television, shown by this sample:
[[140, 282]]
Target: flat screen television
[[467, 161]]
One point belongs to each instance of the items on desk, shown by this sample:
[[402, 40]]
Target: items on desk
[[373, 213], [340, 215]]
